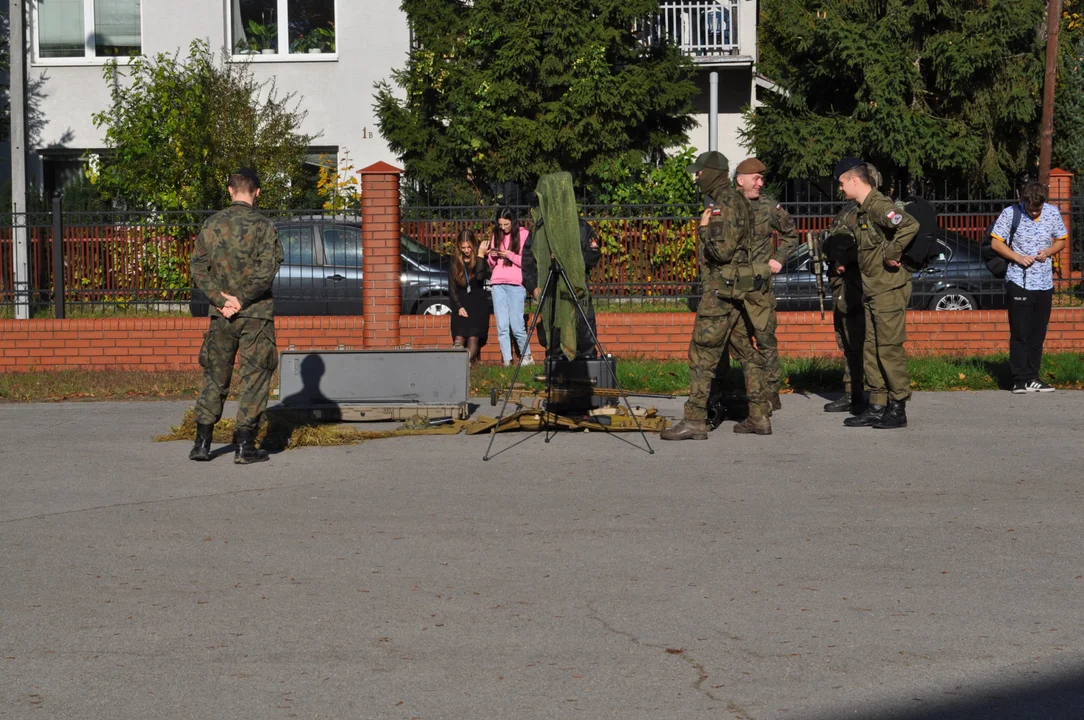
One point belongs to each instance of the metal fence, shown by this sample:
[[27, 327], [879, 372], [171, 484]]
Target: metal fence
[[137, 263], [649, 253], [117, 263]]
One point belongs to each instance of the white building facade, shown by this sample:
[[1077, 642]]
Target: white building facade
[[330, 53], [720, 36]]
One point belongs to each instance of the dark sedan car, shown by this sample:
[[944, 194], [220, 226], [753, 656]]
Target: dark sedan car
[[956, 278], [322, 272]]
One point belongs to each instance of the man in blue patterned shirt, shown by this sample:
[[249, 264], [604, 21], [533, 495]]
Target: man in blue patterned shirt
[[1029, 281]]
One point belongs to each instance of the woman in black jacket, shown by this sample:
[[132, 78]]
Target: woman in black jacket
[[467, 291]]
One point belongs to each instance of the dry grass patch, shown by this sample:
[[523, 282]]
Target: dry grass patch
[[85, 384], [282, 431]]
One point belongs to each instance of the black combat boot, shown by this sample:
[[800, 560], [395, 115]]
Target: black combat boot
[[894, 417], [247, 452], [871, 415], [854, 404], [201, 451]]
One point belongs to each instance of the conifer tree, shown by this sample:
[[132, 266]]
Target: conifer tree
[[1068, 150], [942, 89], [499, 91]]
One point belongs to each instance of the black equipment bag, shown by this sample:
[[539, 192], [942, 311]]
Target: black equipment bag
[[996, 264], [919, 251]]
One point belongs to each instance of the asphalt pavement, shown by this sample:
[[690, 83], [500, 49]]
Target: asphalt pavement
[[823, 572]]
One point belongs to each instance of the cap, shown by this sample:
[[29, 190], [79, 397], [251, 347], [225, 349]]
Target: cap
[[712, 159], [249, 173], [750, 166], [847, 164]]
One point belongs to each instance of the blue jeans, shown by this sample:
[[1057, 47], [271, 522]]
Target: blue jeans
[[508, 303]]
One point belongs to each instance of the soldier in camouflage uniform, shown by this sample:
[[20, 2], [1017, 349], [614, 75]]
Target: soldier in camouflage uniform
[[236, 258], [774, 238], [883, 232], [726, 236], [840, 251]]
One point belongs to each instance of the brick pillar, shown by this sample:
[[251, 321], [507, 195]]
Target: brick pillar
[[1061, 182], [380, 290]]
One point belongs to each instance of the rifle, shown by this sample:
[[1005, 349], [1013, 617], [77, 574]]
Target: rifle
[[567, 392], [816, 263]]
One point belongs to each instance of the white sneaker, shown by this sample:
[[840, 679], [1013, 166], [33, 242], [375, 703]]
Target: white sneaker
[[1039, 386], [508, 363], [529, 360]]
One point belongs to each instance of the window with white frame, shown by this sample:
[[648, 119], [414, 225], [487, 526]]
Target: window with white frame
[[87, 29], [282, 27]]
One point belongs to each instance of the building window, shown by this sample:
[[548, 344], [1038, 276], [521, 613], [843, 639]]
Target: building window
[[282, 27], [88, 29]]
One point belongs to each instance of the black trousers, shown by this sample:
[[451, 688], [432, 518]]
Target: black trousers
[[585, 344], [1029, 314]]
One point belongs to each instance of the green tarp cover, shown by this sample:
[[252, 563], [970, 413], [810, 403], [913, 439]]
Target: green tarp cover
[[559, 237]]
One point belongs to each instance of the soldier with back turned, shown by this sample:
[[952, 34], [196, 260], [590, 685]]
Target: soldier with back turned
[[234, 263]]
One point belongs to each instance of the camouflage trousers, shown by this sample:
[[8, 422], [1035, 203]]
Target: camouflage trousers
[[254, 338], [719, 323], [849, 319], [884, 358], [761, 323]]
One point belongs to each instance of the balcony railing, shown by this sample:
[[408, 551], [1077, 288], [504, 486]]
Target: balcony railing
[[700, 28]]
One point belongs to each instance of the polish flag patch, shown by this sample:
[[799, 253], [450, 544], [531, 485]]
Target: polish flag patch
[[894, 217]]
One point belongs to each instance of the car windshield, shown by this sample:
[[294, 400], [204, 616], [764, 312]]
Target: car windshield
[[418, 252]]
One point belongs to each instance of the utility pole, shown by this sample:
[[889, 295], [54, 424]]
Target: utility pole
[[713, 112], [1053, 23], [21, 254]]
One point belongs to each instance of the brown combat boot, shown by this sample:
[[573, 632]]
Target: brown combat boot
[[754, 426], [776, 403], [686, 430]]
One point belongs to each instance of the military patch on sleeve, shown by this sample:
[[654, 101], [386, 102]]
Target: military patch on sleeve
[[716, 210], [778, 206], [894, 217]]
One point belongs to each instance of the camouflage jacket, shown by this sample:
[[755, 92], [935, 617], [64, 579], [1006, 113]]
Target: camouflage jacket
[[238, 252], [883, 232], [729, 229], [775, 235]]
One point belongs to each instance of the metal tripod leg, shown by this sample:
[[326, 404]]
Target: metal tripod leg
[[602, 353], [547, 289]]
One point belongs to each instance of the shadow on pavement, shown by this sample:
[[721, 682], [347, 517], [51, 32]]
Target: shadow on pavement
[[1049, 699], [308, 407]]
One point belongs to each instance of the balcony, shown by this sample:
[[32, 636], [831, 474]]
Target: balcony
[[704, 30]]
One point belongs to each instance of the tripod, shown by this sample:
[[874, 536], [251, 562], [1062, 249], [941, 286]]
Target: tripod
[[557, 273]]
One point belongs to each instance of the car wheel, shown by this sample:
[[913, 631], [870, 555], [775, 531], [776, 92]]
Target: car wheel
[[953, 300], [434, 306]]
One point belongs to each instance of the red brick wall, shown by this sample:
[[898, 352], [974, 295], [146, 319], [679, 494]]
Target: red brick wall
[[666, 335], [148, 344], [174, 343]]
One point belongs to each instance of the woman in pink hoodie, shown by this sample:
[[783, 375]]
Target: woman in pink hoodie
[[505, 256]]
